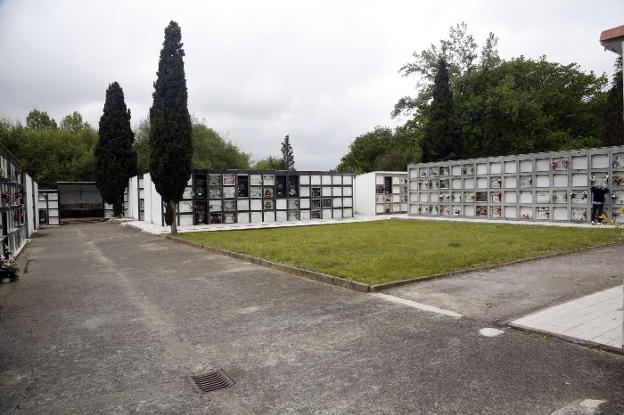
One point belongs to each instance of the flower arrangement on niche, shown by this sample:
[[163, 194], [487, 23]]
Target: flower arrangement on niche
[[8, 270], [559, 164]]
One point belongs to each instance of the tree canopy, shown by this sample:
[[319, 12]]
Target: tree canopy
[[497, 106], [381, 149], [51, 155]]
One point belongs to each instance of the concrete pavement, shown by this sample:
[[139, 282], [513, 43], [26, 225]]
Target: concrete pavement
[[112, 321]]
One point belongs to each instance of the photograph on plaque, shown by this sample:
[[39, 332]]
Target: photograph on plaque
[[268, 193]]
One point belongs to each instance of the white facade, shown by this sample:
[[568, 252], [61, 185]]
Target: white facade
[[380, 193]]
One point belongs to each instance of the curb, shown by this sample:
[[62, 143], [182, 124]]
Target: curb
[[361, 287], [587, 343], [316, 276], [385, 286]]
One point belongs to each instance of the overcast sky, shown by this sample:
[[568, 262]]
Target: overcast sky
[[323, 72]]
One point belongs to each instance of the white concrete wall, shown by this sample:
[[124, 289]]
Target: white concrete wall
[[152, 203], [30, 202], [364, 194], [133, 198]]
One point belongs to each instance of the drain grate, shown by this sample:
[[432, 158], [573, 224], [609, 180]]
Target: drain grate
[[212, 381]]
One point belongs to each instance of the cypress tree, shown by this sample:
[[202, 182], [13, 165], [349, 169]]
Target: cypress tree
[[171, 147], [115, 158], [440, 140], [613, 134], [288, 157]]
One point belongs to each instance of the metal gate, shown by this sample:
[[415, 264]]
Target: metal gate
[[80, 200]]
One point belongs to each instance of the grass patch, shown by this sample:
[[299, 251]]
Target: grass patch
[[393, 250]]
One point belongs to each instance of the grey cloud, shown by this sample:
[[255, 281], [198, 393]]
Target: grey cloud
[[323, 72]]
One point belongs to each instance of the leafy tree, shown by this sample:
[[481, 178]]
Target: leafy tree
[[40, 120], [210, 150], [73, 122], [52, 155], [613, 133], [505, 106], [268, 163], [382, 149], [170, 141], [141, 145], [288, 158], [439, 141], [115, 159]]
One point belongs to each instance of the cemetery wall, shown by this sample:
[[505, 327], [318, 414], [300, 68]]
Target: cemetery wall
[[544, 187]]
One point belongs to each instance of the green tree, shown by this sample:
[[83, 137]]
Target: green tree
[[73, 122], [40, 120], [170, 141], [268, 163], [288, 157], [211, 151], [613, 134], [141, 145], [382, 149], [440, 141], [115, 159], [52, 155]]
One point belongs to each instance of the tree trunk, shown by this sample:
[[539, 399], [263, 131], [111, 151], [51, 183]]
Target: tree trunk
[[174, 219]]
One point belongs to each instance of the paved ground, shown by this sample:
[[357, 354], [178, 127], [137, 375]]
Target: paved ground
[[109, 320], [596, 318], [506, 293]]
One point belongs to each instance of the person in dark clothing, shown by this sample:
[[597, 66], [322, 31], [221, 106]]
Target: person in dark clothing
[[598, 198]]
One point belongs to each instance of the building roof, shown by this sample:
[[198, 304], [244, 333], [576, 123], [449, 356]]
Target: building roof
[[612, 39]]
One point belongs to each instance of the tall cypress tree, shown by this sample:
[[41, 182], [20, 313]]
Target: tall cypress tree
[[171, 147], [288, 157], [440, 138], [613, 134], [115, 159]]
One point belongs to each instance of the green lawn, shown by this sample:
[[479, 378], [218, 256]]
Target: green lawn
[[393, 250]]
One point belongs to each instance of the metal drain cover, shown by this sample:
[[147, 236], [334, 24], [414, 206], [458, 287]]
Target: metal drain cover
[[212, 381]]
